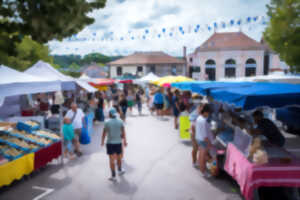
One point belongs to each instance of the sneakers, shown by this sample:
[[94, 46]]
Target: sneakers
[[196, 165], [121, 172], [206, 175], [113, 179]]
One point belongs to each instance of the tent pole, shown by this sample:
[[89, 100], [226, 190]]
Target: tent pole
[[61, 134]]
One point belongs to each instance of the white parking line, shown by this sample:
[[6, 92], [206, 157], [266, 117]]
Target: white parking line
[[47, 191]]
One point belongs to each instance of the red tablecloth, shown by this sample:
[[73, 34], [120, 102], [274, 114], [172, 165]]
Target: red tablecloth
[[250, 176], [45, 155]]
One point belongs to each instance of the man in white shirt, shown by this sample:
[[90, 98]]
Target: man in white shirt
[[76, 115], [203, 136]]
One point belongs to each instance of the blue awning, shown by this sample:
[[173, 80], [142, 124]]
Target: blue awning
[[204, 88], [186, 85], [273, 95]]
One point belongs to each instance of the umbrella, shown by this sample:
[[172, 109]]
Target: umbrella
[[102, 82], [167, 80]]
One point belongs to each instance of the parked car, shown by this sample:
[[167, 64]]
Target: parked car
[[290, 117]]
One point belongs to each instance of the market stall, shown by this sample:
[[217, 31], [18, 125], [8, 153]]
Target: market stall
[[24, 148], [21, 146], [146, 79], [14, 83], [45, 70], [252, 161]]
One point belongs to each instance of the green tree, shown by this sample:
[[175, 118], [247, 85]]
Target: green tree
[[26, 54], [95, 58], [47, 20], [283, 31], [74, 67]]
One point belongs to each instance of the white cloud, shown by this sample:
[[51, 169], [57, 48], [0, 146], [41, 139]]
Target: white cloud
[[120, 17]]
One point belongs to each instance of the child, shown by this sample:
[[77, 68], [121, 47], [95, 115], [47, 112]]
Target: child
[[68, 132]]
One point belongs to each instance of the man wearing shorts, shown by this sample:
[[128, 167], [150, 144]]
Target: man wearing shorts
[[159, 102], [76, 115], [115, 132], [202, 137]]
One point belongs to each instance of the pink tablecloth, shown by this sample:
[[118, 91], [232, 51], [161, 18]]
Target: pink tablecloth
[[250, 176]]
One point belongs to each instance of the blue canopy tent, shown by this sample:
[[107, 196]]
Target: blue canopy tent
[[206, 88], [203, 87], [273, 95], [187, 85]]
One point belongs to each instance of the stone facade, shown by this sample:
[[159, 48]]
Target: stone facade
[[200, 59], [232, 54]]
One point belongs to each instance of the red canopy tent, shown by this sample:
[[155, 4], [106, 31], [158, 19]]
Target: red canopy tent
[[102, 82], [126, 81]]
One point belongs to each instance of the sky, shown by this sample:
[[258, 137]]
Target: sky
[[127, 26]]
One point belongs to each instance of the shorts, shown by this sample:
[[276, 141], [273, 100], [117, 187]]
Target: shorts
[[77, 134], [130, 103], [202, 144], [159, 106], [176, 112], [68, 145], [114, 149]]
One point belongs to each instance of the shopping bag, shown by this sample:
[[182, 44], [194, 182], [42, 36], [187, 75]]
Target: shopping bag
[[84, 137], [184, 127]]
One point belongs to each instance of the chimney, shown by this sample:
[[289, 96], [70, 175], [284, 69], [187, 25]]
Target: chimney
[[185, 67], [184, 52]]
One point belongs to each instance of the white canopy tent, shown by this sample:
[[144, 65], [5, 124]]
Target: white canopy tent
[[13, 83], [86, 78], [146, 79], [44, 69], [278, 78], [275, 77]]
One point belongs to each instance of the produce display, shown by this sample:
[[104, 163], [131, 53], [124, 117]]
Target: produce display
[[10, 151], [33, 138], [17, 140], [47, 134], [32, 123]]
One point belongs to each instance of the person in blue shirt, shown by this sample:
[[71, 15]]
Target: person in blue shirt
[[114, 131], [175, 105], [159, 102], [69, 135]]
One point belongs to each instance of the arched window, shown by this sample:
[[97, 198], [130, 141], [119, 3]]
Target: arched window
[[230, 70], [250, 67], [174, 70], [119, 71], [210, 69]]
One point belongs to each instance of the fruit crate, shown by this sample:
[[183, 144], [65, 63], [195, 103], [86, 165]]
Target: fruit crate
[[23, 126]]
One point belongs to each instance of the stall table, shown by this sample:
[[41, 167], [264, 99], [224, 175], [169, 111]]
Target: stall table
[[250, 176], [46, 155], [16, 169]]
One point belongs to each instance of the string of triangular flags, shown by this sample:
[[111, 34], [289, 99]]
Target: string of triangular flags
[[164, 32]]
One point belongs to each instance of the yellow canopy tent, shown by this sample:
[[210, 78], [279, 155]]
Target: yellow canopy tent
[[167, 80]]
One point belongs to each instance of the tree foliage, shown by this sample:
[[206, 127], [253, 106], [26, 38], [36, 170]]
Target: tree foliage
[[283, 31], [96, 58], [27, 52], [47, 20], [66, 60]]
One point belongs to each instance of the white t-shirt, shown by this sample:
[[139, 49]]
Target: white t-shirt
[[77, 122], [202, 128]]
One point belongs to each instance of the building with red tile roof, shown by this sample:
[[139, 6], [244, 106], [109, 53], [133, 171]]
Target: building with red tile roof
[[231, 54], [141, 63]]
